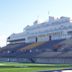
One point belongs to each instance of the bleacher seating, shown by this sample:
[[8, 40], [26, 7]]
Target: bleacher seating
[[53, 51], [13, 46], [49, 54], [33, 45], [33, 50], [66, 54], [36, 49]]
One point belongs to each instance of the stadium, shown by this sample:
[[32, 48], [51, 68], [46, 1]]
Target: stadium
[[49, 42]]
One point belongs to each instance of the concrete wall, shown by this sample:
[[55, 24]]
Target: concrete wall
[[54, 60], [39, 60]]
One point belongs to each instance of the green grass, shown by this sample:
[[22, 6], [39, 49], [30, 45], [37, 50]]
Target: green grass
[[30, 67]]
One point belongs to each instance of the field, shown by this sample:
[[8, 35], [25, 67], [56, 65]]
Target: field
[[30, 67]]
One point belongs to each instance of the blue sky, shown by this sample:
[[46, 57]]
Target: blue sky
[[16, 14]]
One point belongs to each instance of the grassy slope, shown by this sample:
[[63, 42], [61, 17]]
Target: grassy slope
[[22, 67]]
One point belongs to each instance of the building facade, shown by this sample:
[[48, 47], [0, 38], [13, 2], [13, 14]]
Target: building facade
[[52, 29]]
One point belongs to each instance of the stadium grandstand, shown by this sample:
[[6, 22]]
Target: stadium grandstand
[[47, 42]]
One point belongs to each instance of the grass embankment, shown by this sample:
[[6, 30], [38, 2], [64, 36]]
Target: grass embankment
[[29, 67]]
